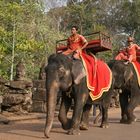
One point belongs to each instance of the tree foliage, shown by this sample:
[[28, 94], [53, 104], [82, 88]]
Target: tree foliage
[[31, 27], [26, 26]]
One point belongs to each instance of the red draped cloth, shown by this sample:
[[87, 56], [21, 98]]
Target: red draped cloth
[[99, 76], [136, 65]]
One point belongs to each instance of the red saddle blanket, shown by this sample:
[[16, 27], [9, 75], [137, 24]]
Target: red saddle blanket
[[99, 75], [136, 65]]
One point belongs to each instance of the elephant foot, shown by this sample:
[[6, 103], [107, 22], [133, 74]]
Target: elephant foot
[[67, 125], [73, 132], [126, 121], [83, 127], [130, 121], [123, 121], [104, 125]]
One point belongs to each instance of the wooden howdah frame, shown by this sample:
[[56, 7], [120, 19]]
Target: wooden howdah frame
[[97, 42]]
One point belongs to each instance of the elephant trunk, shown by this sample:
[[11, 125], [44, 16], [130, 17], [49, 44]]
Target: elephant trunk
[[51, 104]]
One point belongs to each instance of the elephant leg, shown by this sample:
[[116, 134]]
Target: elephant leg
[[104, 109], [98, 117], [134, 101], [64, 108], [85, 117], [79, 103], [123, 104], [104, 123]]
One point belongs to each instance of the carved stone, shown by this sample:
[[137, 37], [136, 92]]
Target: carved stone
[[17, 95], [39, 96]]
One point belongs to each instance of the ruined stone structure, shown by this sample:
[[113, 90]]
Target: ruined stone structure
[[39, 94], [2, 88], [17, 95]]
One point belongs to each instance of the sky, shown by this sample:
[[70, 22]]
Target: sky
[[54, 3]]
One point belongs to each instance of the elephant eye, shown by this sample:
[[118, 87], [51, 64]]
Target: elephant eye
[[61, 72]]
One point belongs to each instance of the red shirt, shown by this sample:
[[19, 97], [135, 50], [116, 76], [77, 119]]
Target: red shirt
[[75, 42], [122, 55], [131, 50]]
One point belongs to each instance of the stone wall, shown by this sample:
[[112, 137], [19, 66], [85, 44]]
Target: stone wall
[[39, 96], [17, 96]]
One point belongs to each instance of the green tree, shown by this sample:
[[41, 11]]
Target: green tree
[[25, 33]]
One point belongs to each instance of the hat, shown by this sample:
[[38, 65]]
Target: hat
[[130, 39]]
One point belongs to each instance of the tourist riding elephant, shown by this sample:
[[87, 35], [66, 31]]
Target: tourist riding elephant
[[125, 79], [68, 76]]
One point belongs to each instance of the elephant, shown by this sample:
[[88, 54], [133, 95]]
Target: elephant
[[125, 80], [67, 75]]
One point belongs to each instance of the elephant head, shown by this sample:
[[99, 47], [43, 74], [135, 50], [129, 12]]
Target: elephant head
[[122, 73], [61, 74]]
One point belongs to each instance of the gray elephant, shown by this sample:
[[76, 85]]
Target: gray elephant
[[68, 76], [125, 79]]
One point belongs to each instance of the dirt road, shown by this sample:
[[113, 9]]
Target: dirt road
[[32, 129]]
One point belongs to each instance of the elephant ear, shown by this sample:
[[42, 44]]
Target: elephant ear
[[78, 71], [128, 75]]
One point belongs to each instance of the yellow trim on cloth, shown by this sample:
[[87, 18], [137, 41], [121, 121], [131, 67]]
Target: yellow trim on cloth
[[137, 73]]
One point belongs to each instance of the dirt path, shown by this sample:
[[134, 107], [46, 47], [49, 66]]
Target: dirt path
[[32, 129]]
